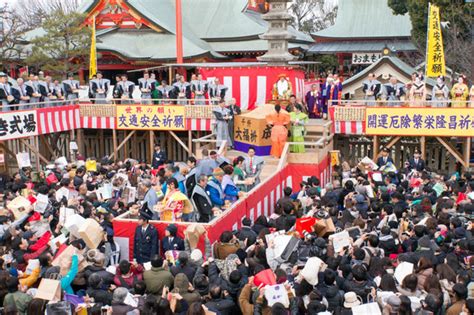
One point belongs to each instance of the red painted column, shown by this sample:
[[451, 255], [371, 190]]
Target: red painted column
[[81, 76], [179, 33]]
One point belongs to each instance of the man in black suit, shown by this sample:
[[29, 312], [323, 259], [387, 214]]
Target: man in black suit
[[145, 243], [171, 241], [385, 158], [159, 157], [417, 163]]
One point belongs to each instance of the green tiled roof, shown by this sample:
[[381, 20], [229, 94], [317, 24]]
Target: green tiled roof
[[360, 46], [209, 26], [367, 19]]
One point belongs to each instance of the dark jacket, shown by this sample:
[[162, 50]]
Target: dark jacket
[[420, 166], [224, 306], [145, 246], [187, 269], [159, 159], [100, 296], [361, 288], [121, 309], [247, 233], [380, 161], [216, 278], [176, 244], [107, 277]]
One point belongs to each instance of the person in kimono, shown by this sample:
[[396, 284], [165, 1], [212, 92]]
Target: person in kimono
[[298, 121], [126, 89], [43, 87], [32, 88], [234, 110], [393, 91], [459, 92], [230, 189], [223, 116], [165, 92], [418, 92], [201, 200], [6, 97], [116, 91], [216, 91], [279, 120], [471, 97], [19, 92], [282, 89], [147, 86], [252, 167], [371, 88], [440, 93], [71, 88], [182, 90], [313, 101], [334, 94], [100, 88], [175, 204], [199, 88], [57, 91]]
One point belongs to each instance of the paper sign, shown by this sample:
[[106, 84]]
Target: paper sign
[[276, 294], [365, 309], [62, 162], [377, 177], [91, 166], [64, 213], [57, 241], [104, 192], [62, 192], [340, 240], [403, 270], [280, 242], [130, 300], [32, 265], [73, 223], [147, 265], [113, 269], [41, 203], [23, 159]]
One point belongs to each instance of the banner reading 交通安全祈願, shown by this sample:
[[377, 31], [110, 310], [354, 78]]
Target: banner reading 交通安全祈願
[[18, 124], [403, 121], [150, 117], [435, 63]]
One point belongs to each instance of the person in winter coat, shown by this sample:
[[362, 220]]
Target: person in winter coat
[[246, 232], [359, 284], [227, 245], [221, 301], [185, 289], [96, 290], [183, 266], [118, 303], [231, 281], [157, 277], [424, 270], [128, 274], [277, 308], [460, 295]]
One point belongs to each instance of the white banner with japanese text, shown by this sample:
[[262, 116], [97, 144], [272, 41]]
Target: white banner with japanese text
[[18, 124]]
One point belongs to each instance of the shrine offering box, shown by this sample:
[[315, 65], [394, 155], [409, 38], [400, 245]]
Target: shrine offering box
[[250, 129]]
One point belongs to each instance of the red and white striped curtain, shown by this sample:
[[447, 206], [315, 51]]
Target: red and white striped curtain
[[252, 86]]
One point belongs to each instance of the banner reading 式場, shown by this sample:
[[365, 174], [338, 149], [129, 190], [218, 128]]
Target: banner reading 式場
[[18, 124], [402, 121], [150, 117]]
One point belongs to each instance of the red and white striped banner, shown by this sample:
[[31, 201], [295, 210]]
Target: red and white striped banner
[[195, 124], [98, 122], [58, 119], [252, 86], [346, 127]]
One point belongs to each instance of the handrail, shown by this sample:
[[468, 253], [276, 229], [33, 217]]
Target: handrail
[[284, 156]]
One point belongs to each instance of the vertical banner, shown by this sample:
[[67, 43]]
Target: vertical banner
[[435, 63], [93, 53]]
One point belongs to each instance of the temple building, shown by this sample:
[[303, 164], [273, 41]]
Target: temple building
[[134, 34], [364, 31]]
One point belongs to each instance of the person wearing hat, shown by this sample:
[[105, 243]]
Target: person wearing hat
[[6, 97], [384, 158], [171, 241], [145, 242], [417, 163], [71, 88], [214, 188]]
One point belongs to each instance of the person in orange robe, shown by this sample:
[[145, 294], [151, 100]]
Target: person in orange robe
[[279, 120]]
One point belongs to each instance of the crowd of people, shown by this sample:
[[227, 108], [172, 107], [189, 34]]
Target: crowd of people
[[373, 240]]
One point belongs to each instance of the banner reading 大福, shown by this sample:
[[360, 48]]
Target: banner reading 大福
[[150, 117], [436, 122]]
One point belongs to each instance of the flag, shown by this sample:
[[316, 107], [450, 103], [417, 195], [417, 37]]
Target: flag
[[93, 54], [435, 64]]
